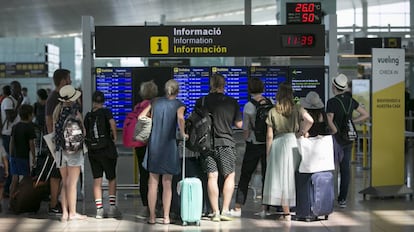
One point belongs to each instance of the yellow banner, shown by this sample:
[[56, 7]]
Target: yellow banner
[[388, 136], [388, 87]]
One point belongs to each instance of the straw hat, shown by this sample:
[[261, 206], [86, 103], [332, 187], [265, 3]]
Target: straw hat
[[340, 82], [312, 101], [68, 94]]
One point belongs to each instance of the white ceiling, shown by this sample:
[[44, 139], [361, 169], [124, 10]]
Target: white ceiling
[[44, 18]]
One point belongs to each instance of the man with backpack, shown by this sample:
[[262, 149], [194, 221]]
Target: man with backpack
[[100, 139], [221, 160], [254, 132], [338, 114]]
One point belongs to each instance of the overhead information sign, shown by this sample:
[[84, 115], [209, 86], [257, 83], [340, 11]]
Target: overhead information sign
[[209, 41], [20, 70]]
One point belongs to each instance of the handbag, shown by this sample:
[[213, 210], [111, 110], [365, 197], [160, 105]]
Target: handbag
[[317, 154], [143, 129]]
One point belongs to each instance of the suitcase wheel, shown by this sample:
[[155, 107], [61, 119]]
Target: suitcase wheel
[[197, 223], [326, 217], [184, 223]]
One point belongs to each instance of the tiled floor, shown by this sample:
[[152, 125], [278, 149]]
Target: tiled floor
[[372, 214]]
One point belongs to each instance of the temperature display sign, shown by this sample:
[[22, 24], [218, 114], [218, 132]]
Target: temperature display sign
[[303, 13]]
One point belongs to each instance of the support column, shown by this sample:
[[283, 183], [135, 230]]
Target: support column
[[247, 12], [88, 84], [247, 21], [88, 31], [364, 18]]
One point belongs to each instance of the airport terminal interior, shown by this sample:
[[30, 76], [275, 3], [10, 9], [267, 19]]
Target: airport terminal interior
[[38, 37]]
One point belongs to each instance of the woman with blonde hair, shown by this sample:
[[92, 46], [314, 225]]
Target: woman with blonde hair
[[285, 122], [162, 153]]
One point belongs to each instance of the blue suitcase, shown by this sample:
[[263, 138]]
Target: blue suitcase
[[314, 195], [191, 195]]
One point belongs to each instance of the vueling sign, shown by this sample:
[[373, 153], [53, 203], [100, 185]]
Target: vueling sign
[[159, 45]]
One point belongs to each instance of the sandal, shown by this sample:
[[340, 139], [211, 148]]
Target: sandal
[[151, 222], [77, 217], [285, 217], [64, 218], [166, 221]]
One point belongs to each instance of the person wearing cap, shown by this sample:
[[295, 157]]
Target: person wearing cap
[[103, 159], [314, 106], [69, 164], [337, 121]]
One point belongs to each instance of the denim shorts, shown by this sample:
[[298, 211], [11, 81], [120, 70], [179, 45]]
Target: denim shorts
[[19, 166], [64, 159]]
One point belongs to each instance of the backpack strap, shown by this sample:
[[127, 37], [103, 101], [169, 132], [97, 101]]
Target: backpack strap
[[213, 132], [347, 112]]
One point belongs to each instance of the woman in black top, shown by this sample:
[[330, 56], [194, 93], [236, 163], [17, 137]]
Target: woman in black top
[[315, 107]]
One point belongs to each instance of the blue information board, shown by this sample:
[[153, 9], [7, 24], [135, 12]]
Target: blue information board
[[116, 84], [236, 83], [272, 77], [194, 83]]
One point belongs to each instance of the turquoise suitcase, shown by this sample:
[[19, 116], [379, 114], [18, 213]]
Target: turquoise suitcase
[[191, 195]]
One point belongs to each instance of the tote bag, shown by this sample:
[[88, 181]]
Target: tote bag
[[143, 129], [317, 154]]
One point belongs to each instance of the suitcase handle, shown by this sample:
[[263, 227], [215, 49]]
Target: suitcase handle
[[183, 168]]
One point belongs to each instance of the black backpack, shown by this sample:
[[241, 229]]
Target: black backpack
[[199, 127], [347, 132], [262, 110], [98, 135]]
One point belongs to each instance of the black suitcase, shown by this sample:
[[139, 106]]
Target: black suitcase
[[314, 195]]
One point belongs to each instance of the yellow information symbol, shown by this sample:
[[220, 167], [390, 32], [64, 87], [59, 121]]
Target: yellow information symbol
[[159, 45]]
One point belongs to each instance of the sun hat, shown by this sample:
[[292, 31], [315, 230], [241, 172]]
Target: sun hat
[[340, 82], [312, 101], [68, 94]]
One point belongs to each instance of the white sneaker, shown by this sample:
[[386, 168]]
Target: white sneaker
[[114, 212], [99, 213], [262, 214], [235, 213]]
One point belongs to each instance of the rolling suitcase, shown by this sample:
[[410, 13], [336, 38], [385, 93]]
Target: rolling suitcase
[[191, 194], [314, 195], [27, 197]]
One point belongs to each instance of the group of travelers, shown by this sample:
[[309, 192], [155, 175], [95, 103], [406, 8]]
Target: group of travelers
[[159, 158]]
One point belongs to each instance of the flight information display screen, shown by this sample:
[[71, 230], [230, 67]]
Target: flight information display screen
[[194, 83], [271, 77], [116, 84], [236, 83], [306, 79]]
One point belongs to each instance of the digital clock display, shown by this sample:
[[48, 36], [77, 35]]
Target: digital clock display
[[298, 40], [303, 13]]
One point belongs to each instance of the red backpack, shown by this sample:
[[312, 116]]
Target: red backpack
[[129, 125]]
